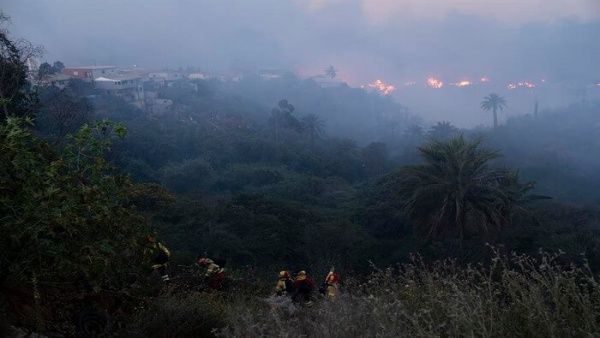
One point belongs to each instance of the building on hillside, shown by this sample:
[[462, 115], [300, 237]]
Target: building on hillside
[[197, 76], [126, 85], [272, 74], [89, 73], [165, 78], [56, 80]]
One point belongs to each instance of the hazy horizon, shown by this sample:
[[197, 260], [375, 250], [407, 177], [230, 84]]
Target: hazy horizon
[[551, 44]]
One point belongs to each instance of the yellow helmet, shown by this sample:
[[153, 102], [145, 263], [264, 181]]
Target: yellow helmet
[[301, 275], [284, 274]]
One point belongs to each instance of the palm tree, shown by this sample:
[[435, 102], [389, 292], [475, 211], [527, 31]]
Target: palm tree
[[330, 72], [414, 130], [442, 131], [493, 102], [312, 126], [456, 190]]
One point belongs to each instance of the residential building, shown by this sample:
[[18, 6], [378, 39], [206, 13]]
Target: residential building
[[89, 73], [127, 85], [57, 80]]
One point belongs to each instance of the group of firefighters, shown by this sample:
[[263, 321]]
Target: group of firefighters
[[300, 288]]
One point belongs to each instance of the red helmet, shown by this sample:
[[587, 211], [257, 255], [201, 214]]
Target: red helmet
[[204, 261]]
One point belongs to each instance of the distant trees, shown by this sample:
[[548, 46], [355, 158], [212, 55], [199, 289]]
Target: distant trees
[[16, 97], [62, 112], [414, 131], [456, 189], [442, 131], [282, 119], [493, 102], [375, 158], [58, 66], [46, 69], [312, 126], [330, 72]]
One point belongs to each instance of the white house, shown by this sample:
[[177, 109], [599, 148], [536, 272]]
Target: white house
[[128, 85]]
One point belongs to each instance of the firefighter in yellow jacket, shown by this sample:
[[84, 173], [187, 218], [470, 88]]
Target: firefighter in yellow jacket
[[161, 254], [285, 284], [331, 285]]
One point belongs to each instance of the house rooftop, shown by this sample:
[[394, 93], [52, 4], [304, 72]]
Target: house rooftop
[[92, 67], [118, 77], [57, 77]]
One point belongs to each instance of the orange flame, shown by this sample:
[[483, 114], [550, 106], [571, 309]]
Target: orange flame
[[434, 83], [463, 83], [382, 87]]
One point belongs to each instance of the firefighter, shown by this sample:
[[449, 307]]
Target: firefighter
[[160, 261], [331, 284], [285, 284], [215, 273], [303, 288]]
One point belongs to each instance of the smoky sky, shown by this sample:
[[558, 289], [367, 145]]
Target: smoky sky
[[395, 40]]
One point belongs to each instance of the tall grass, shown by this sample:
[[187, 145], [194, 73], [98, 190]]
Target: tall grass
[[515, 295]]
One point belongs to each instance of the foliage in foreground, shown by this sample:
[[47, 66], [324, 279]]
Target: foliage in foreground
[[514, 296], [68, 223]]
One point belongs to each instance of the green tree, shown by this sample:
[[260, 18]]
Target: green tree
[[58, 67], [375, 157], [62, 112], [44, 70], [16, 97], [493, 102], [282, 119], [66, 217], [312, 125], [456, 189]]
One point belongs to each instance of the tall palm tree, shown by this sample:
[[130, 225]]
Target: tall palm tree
[[493, 102], [312, 126], [330, 72], [456, 189]]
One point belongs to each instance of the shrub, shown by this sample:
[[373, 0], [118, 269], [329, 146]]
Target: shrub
[[184, 315]]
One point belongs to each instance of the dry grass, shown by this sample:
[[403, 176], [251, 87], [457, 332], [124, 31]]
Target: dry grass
[[190, 314], [514, 296]]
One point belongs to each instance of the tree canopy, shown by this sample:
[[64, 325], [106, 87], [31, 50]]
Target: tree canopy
[[456, 189]]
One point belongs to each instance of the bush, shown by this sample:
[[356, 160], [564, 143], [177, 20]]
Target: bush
[[187, 176], [65, 214], [184, 315]]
